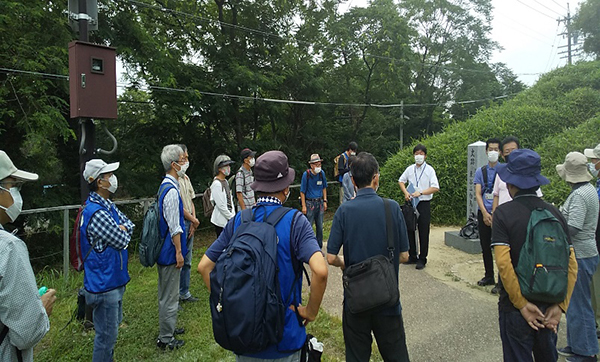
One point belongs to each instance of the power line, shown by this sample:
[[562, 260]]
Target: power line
[[536, 10], [271, 100], [541, 37], [554, 11], [562, 6], [271, 35]]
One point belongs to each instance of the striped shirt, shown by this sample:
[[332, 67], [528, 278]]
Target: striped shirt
[[243, 179], [104, 231], [581, 212], [171, 206]]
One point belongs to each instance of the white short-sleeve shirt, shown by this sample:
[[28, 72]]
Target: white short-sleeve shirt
[[421, 177]]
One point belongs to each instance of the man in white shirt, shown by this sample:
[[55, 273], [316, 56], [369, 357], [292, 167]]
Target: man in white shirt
[[420, 176]]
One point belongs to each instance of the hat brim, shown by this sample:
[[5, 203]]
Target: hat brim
[[589, 153], [521, 181], [24, 175], [110, 167], [315, 161], [582, 177], [274, 186], [226, 163]]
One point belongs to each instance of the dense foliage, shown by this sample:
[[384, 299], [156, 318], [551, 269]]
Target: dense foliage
[[560, 101]]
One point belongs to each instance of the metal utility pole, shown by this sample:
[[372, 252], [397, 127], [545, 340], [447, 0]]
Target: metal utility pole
[[569, 52], [402, 124], [87, 131]]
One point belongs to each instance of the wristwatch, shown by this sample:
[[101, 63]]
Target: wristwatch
[[325, 200]]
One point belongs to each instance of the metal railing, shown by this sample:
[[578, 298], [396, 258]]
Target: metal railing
[[66, 224]]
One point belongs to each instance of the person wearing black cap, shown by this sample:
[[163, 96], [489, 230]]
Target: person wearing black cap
[[220, 194], [243, 179], [272, 179], [527, 327]]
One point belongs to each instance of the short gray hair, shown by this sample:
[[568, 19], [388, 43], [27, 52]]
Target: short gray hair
[[170, 154]]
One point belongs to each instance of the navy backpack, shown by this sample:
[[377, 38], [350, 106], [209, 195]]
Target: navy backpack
[[248, 312]]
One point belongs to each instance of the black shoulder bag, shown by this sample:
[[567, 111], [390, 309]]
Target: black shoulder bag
[[372, 283]]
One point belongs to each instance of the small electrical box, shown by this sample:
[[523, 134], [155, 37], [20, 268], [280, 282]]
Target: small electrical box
[[92, 80]]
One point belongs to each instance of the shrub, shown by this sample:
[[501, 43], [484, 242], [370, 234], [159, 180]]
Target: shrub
[[555, 103]]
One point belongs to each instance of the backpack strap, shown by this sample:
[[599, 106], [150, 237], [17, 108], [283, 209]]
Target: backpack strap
[[3, 335], [276, 215], [484, 173]]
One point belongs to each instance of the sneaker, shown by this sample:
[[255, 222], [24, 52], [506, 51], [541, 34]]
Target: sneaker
[[495, 289], [189, 299], [179, 331], [565, 351], [486, 281], [578, 358], [420, 265], [173, 344]]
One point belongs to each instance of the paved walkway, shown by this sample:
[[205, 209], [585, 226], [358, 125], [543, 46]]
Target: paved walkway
[[447, 317]]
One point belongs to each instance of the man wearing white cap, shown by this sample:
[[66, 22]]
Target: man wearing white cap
[[313, 195], [23, 313], [105, 235], [593, 166], [581, 212]]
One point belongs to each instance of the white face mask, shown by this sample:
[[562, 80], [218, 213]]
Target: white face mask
[[114, 184], [352, 153], [183, 169], [252, 162], [226, 170], [419, 159], [317, 170], [592, 169], [14, 210], [493, 156], [287, 196]]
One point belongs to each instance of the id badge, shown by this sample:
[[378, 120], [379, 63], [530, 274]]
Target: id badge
[[319, 183], [489, 196]]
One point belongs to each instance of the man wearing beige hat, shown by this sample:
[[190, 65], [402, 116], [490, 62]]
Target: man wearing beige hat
[[593, 166], [24, 314], [313, 194], [581, 212]]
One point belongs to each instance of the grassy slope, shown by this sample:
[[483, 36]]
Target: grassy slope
[[138, 332]]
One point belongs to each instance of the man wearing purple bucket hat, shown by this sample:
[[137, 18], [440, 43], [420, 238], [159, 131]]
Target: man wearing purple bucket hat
[[527, 328], [272, 178]]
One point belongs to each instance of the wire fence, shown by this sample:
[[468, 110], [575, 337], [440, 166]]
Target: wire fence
[[43, 225]]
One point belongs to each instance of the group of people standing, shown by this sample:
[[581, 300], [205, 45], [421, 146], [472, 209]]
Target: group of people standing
[[507, 193]]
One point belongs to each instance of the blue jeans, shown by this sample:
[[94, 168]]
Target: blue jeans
[[522, 343], [108, 314], [581, 324], [314, 213], [184, 280]]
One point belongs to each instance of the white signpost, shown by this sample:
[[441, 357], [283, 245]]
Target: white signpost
[[476, 158]]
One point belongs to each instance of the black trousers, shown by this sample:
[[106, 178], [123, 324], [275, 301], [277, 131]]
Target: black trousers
[[388, 331], [423, 225], [485, 239], [218, 230]]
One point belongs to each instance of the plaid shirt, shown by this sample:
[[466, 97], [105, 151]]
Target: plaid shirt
[[105, 230]]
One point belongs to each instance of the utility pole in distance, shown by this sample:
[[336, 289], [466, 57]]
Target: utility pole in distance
[[567, 21]]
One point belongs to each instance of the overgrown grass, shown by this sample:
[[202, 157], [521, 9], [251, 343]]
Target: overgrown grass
[[139, 330]]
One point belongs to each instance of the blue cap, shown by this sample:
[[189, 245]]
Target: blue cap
[[523, 169]]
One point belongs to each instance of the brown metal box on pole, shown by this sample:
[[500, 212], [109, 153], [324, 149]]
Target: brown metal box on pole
[[92, 80]]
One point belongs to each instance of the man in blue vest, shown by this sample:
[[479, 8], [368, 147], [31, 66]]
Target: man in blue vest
[[272, 179], [105, 234], [313, 195], [170, 261]]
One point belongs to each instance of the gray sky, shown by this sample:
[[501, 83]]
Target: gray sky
[[528, 32]]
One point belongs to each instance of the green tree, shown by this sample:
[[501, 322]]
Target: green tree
[[587, 22]]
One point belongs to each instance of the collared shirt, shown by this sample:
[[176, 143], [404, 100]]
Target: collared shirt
[[243, 179], [21, 308], [359, 225], [171, 206], [104, 231], [487, 186], [421, 177], [581, 211], [187, 193], [501, 190]]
